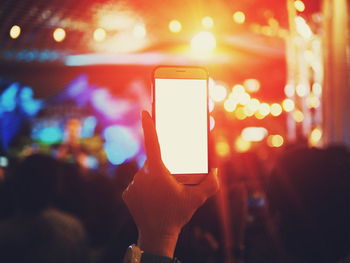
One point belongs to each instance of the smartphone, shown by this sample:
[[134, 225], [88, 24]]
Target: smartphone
[[181, 116]]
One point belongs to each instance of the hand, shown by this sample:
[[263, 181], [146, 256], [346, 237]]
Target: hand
[[159, 204]]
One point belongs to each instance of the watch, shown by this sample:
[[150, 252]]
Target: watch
[[135, 255]]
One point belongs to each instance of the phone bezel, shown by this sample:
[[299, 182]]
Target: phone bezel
[[183, 72]]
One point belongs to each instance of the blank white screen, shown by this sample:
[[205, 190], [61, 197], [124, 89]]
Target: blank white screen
[[181, 124]]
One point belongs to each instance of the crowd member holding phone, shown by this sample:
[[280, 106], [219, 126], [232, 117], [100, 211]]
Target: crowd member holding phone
[[159, 204]]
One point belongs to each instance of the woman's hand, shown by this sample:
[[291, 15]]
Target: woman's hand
[[159, 204]]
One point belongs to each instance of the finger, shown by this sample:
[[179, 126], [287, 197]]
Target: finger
[[151, 141], [209, 186]]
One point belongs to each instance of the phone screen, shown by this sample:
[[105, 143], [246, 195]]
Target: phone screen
[[182, 124]]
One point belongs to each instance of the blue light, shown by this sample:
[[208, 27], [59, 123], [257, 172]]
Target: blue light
[[8, 98], [29, 105], [88, 127], [120, 144], [50, 135]]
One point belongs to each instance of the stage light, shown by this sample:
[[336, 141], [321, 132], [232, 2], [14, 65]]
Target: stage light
[[254, 134], [212, 122], [252, 85], [239, 113], [241, 145], [301, 90], [230, 105], [15, 31], [203, 42], [317, 89], [8, 99], [139, 31], [239, 17], [315, 137], [99, 34], [299, 5], [288, 105], [50, 135], [275, 140], [222, 148], [276, 109], [59, 34], [289, 90], [217, 92], [175, 26], [264, 109], [298, 116], [207, 22]]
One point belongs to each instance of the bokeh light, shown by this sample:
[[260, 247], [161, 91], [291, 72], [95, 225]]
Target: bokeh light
[[217, 92], [59, 34], [222, 148], [254, 134], [289, 90], [275, 140], [175, 26], [301, 90], [207, 22], [239, 17], [252, 85], [240, 114], [317, 89], [211, 122], [99, 34], [288, 105], [275, 109], [315, 137], [299, 5], [203, 42], [230, 105], [264, 109], [313, 102], [15, 31], [241, 145], [298, 116]]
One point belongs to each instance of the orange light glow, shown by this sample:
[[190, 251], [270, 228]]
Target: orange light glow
[[99, 34], [203, 42], [315, 137], [239, 17], [253, 105], [288, 105], [207, 22], [59, 34], [299, 5], [175, 26], [222, 148], [248, 111], [259, 116], [298, 116], [238, 89], [275, 140], [217, 92], [254, 134], [15, 31], [241, 145]]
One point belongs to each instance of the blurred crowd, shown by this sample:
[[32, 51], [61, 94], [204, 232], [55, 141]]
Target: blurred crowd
[[56, 211]]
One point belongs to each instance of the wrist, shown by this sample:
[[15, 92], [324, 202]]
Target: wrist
[[160, 244]]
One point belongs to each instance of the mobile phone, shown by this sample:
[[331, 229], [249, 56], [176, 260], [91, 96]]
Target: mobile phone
[[181, 116]]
